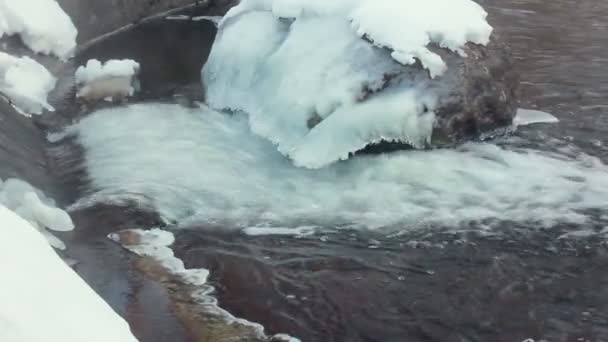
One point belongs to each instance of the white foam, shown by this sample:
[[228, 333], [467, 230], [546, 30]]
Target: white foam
[[42, 24], [37, 209], [526, 117], [26, 83], [42, 298], [200, 166]]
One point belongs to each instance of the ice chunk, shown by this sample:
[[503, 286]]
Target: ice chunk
[[526, 117], [33, 206], [42, 298], [26, 83], [42, 24], [109, 80]]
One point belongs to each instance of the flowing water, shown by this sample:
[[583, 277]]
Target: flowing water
[[500, 241]]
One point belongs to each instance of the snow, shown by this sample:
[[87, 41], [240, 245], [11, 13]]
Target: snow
[[112, 79], [406, 27], [36, 208], [42, 298], [156, 243], [198, 166], [42, 24], [276, 73], [26, 83]]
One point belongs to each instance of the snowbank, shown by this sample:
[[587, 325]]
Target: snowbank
[[112, 79], [317, 90], [42, 298], [37, 209], [42, 24], [26, 83]]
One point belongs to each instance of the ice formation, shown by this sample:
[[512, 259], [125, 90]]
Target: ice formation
[[42, 24], [37, 209], [156, 243], [526, 117], [42, 298], [323, 79], [236, 179], [113, 79], [26, 83]]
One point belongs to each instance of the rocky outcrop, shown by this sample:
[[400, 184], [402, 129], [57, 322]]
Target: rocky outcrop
[[483, 96]]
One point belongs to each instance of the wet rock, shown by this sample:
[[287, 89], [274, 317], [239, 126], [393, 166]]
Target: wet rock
[[483, 96]]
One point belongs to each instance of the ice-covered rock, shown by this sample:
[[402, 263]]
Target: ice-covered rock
[[26, 83], [42, 298], [114, 79], [42, 25], [37, 209], [322, 80]]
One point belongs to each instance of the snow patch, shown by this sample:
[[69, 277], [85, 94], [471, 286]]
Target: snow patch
[[26, 83], [37, 209], [42, 298], [109, 80], [42, 24]]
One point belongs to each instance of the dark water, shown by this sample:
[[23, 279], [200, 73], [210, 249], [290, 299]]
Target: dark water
[[356, 286], [337, 288]]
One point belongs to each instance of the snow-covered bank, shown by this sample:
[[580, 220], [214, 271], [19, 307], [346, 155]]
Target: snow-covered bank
[[26, 83], [36, 208], [42, 299], [42, 25]]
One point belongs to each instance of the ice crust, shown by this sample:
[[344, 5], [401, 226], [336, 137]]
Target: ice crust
[[26, 83], [36, 208], [313, 84]]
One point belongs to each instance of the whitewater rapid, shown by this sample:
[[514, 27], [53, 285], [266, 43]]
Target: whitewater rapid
[[199, 166]]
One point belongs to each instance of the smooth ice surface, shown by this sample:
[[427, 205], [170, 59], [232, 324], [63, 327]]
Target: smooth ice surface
[[37, 209], [42, 298], [42, 24], [406, 27], [525, 117], [156, 243], [317, 105], [203, 167], [26, 83]]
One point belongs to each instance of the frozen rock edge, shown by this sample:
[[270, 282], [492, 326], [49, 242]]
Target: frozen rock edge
[[322, 81]]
